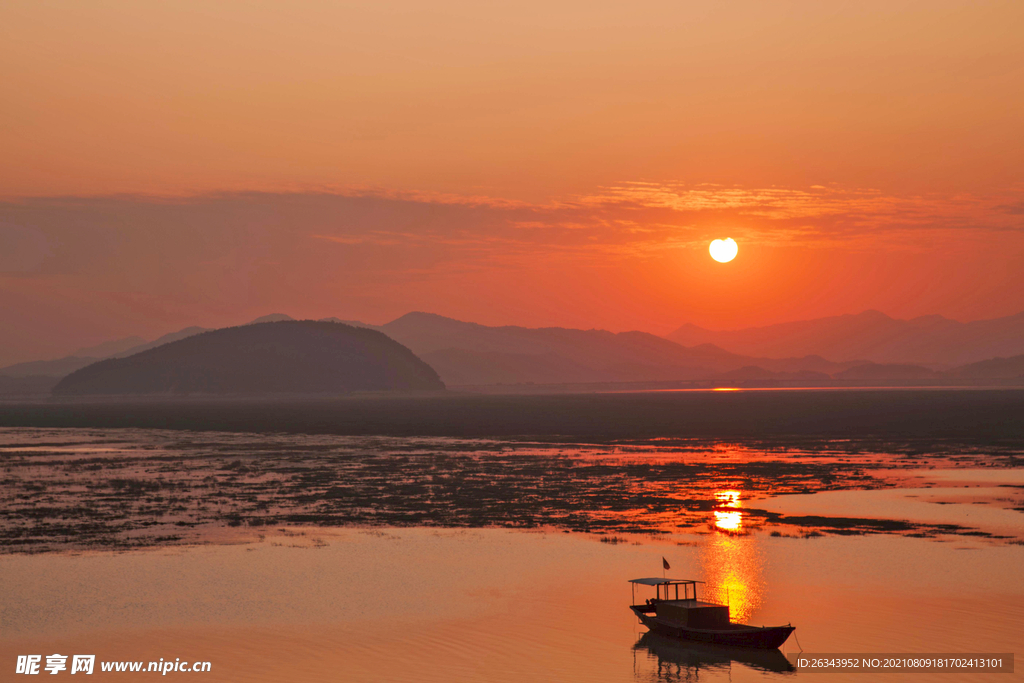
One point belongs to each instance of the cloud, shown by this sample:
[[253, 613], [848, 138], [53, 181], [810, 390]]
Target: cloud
[[149, 265], [1016, 209], [828, 214], [110, 238]]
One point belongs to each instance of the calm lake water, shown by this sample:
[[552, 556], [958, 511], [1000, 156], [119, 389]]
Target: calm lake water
[[291, 558]]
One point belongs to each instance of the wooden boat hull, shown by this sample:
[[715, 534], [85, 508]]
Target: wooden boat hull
[[738, 635]]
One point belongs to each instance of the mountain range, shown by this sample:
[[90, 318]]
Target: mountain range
[[930, 340], [465, 353], [866, 347]]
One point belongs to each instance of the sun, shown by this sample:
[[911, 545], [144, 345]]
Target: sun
[[724, 251]]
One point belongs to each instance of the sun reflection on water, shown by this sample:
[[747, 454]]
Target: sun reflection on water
[[728, 520], [732, 564], [728, 498]]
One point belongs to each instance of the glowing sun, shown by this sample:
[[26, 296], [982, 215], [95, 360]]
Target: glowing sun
[[724, 251]]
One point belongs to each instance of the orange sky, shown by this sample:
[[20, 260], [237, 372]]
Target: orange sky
[[533, 163]]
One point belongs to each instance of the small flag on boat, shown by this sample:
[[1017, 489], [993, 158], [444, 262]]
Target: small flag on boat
[[665, 564]]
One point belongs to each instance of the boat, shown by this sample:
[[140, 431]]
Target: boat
[[702, 621]]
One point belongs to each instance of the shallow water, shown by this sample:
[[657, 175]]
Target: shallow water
[[498, 605], [984, 508], [137, 545], [79, 488]]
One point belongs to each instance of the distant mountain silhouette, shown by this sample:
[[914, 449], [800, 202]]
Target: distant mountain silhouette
[[109, 348], [466, 353], [994, 368], [886, 371], [462, 367], [871, 336], [276, 357], [117, 348], [79, 359], [755, 373], [611, 356], [166, 339], [272, 318], [47, 368]]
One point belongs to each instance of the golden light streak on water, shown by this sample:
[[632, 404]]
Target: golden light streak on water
[[728, 498], [731, 563], [728, 520], [733, 568]]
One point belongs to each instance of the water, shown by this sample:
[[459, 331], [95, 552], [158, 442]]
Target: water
[[139, 544], [501, 605]]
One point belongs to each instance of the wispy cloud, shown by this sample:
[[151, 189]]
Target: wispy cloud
[[829, 212], [139, 257]]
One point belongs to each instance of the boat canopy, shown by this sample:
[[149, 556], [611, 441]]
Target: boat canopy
[[659, 581], [662, 586]]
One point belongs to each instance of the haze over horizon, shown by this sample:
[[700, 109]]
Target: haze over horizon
[[542, 164]]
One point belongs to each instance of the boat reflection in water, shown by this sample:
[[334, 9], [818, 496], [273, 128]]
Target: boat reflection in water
[[732, 564], [659, 658]]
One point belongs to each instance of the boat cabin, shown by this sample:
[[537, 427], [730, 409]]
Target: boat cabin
[[676, 600]]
